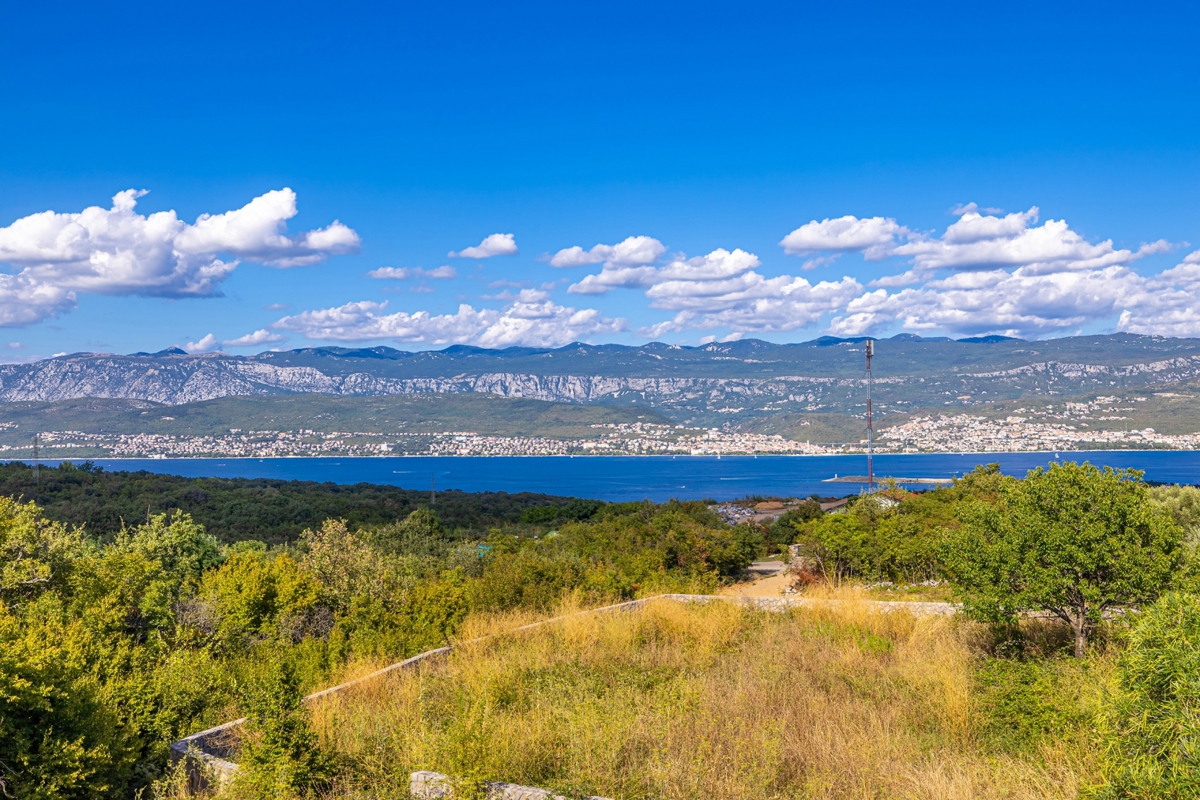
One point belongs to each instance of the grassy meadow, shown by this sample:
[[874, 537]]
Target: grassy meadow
[[718, 701]]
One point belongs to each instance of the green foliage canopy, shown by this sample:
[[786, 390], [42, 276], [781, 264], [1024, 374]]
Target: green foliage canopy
[[1073, 540]]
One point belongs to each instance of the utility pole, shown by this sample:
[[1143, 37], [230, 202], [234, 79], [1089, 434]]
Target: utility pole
[[36, 478], [870, 423]]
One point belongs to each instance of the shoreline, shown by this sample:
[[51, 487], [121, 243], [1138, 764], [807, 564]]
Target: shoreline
[[663, 456]]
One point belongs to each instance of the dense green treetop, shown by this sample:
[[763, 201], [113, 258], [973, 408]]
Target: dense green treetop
[[1073, 540]]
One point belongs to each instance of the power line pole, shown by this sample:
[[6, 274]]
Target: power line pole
[[870, 422]]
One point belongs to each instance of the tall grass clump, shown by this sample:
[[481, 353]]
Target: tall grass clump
[[714, 701]]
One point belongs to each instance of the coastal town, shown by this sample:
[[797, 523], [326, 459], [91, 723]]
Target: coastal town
[[1069, 426], [1099, 424], [610, 439]]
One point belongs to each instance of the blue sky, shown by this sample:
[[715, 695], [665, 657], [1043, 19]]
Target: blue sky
[[709, 129]]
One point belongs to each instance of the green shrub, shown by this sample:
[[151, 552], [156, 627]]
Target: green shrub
[[1152, 728], [36, 555], [1023, 704], [280, 754], [59, 738]]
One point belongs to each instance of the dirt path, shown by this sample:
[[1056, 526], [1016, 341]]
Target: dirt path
[[773, 579]]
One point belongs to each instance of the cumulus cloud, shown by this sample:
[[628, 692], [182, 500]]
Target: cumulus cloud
[[205, 345], [1167, 304], [532, 320], [993, 302], [632, 252], [259, 337], [1031, 303], [990, 272], [615, 278], [498, 244], [979, 241], [116, 251], [257, 231], [722, 289], [975, 241], [720, 263], [750, 303], [442, 273], [874, 237]]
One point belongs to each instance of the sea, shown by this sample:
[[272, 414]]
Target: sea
[[657, 478]]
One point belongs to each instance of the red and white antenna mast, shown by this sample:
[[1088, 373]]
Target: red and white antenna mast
[[870, 347]]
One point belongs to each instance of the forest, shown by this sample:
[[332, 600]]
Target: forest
[[1077, 645], [257, 509]]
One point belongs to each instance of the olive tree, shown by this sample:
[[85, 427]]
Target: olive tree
[[1073, 541]]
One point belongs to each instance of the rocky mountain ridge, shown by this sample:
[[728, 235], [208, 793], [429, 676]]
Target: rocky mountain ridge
[[712, 382]]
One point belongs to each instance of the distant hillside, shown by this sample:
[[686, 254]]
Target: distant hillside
[[479, 413], [746, 385]]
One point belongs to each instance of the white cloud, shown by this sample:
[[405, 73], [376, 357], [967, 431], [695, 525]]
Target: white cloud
[[523, 296], [531, 320], [720, 263], [1008, 274], [615, 278], [205, 345], [874, 236], [632, 252], [259, 337], [722, 289], [442, 273], [750, 303], [117, 251], [974, 241], [257, 231], [1168, 303], [977, 241], [390, 273], [994, 302], [498, 244]]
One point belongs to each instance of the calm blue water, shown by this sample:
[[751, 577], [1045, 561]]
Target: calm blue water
[[656, 478]]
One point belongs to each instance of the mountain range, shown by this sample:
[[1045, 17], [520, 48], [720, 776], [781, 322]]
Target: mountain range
[[746, 384]]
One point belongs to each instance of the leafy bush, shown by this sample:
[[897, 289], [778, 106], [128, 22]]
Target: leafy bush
[[1152, 728], [59, 739], [280, 755], [783, 531], [879, 538], [36, 555], [1024, 704]]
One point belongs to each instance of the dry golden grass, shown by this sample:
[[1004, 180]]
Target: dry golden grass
[[696, 701]]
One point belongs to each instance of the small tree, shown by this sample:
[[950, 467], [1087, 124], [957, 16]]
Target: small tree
[[1073, 540], [281, 755]]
